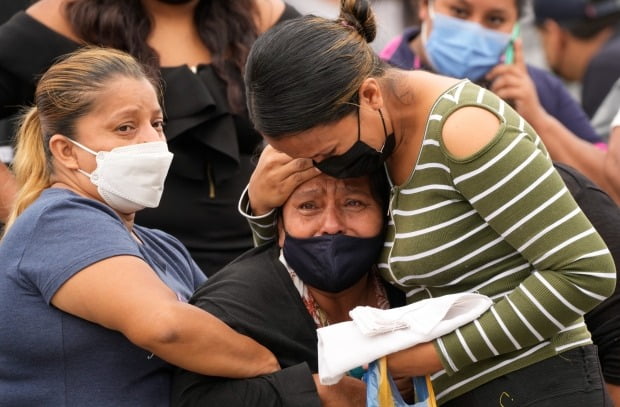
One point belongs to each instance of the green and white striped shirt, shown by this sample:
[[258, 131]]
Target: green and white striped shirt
[[500, 223], [503, 224]]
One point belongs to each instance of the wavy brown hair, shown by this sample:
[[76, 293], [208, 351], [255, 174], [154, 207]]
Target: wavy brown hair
[[227, 29]]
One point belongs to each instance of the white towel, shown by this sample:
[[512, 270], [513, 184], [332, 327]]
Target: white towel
[[374, 333]]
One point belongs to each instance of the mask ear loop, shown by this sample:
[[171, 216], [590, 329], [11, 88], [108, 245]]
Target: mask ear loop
[[359, 127], [83, 147], [384, 131]]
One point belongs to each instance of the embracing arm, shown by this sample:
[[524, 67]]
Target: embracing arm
[[289, 387], [294, 386], [123, 293]]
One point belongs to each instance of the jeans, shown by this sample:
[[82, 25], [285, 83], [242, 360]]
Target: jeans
[[570, 379]]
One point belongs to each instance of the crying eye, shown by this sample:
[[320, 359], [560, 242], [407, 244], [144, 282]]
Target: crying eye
[[307, 206]]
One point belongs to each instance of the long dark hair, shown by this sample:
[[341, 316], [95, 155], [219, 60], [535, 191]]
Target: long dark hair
[[226, 27], [307, 71]]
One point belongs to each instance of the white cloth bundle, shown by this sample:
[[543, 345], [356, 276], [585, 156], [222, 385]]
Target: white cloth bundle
[[374, 333]]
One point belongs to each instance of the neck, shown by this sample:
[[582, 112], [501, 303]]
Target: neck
[[402, 105], [337, 305], [174, 35], [161, 10], [409, 104], [127, 219]]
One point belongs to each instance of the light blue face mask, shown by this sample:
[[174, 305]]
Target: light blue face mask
[[461, 48]]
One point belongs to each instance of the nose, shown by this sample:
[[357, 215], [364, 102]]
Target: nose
[[333, 221], [149, 134]]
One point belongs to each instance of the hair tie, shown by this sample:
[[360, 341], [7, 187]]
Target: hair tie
[[348, 25]]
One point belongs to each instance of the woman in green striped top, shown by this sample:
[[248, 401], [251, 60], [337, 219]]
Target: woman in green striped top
[[476, 206]]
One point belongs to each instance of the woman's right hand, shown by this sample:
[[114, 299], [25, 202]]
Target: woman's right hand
[[348, 392], [513, 83], [276, 176]]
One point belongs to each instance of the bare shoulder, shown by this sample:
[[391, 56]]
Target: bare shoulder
[[269, 11], [468, 130], [51, 14]]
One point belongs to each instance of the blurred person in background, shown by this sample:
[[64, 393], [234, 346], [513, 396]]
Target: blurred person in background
[[581, 42], [199, 53], [478, 40]]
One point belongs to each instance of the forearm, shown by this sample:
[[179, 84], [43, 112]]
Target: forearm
[[201, 343], [418, 360], [290, 387], [8, 190], [263, 226]]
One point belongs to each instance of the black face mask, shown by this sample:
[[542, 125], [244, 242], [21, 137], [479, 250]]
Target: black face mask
[[332, 263], [360, 159]]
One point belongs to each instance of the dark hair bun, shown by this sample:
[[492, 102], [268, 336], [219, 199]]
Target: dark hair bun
[[357, 15]]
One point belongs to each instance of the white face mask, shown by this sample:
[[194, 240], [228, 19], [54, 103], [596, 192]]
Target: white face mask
[[130, 178]]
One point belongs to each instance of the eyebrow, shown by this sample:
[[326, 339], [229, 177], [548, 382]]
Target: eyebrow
[[132, 110], [301, 192], [492, 10], [355, 189]]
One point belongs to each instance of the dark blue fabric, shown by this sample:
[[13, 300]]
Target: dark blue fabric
[[601, 74], [51, 358], [552, 94], [573, 10]]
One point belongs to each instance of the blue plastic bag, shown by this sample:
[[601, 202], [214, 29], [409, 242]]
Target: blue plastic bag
[[381, 391]]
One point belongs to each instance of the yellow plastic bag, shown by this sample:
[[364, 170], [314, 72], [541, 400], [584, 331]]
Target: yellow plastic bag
[[381, 391]]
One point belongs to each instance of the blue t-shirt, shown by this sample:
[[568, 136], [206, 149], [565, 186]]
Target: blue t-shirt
[[552, 93], [51, 358]]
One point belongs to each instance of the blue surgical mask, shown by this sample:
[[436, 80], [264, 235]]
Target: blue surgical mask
[[461, 48], [332, 263]]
